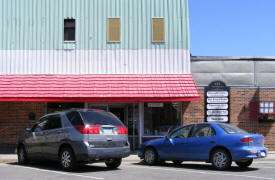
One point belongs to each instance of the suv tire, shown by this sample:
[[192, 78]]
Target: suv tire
[[22, 155], [113, 162], [67, 159]]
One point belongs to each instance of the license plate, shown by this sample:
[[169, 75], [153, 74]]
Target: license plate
[[108, 130]]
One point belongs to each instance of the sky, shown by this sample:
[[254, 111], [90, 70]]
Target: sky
[[232, 27]]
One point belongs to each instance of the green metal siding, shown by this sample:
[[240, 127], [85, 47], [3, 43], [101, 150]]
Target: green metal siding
[[38, 24]]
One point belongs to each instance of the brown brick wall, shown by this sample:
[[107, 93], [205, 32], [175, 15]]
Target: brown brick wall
[[14, 118], [193, 112]]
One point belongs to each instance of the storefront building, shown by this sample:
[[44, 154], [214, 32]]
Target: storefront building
[[248, 99], [130, 57]]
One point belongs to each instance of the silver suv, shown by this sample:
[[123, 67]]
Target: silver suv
[[75, 136]]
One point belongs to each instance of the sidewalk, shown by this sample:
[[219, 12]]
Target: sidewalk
[[7, 158]]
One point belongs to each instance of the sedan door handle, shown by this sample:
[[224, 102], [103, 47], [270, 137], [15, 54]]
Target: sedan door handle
[[212, 141], [183, 142]]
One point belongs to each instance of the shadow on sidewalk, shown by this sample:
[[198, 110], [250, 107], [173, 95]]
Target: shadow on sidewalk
[[54, 166], [191, 166]]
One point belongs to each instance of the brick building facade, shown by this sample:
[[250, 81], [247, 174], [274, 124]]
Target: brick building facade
[[251, 81]]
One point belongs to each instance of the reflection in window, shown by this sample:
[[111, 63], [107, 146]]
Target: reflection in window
[[160, 117]]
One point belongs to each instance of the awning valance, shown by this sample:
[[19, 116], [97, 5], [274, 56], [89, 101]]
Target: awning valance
[[99, 88]]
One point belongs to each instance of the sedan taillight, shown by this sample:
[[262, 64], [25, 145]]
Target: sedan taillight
[[247, 140], [122, 130], [87, 129]]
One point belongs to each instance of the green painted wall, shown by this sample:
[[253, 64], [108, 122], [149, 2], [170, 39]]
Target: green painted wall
[[38, 24]]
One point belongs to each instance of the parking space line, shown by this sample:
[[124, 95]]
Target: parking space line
[[57, 172], [200, 172]]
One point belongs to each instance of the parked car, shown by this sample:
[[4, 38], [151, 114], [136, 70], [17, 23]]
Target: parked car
[[216, 143], [75, 136]]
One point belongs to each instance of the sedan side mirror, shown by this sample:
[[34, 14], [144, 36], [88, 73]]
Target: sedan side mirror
[[28, 128]]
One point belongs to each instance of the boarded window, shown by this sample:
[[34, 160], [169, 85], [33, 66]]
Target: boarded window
[[158, 30], [113, 29], [69, 29]]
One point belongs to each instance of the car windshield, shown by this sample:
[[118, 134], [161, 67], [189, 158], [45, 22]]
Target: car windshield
[[100, 118], [232, 129]]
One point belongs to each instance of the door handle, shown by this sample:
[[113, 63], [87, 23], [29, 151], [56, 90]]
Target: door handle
[[183, 142], [212, 141]]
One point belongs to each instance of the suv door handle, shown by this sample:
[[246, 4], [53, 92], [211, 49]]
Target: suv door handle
[[212, 141]]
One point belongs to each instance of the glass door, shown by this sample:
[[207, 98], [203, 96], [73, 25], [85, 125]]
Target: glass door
[[132, 124]]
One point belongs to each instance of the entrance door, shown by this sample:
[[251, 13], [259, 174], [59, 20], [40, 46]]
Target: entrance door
[[128, 113]]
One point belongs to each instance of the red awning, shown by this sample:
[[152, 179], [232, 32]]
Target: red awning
[[99, 88]]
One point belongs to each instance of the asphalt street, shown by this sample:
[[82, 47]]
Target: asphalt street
[[262, 170]]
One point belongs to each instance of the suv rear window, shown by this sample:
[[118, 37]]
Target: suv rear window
[[74, 118], [100, 118], [232, 129]]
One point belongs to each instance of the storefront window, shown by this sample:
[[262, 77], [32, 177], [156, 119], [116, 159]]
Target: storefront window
[[160, 117], [53, 107], [266, 112]]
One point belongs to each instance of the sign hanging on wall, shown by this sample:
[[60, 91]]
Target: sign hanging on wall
[[217, 102]]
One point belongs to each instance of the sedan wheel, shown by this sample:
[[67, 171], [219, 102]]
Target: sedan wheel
[[221, 159], [244, 163], [150, 156], [22, 155], [67, 159]]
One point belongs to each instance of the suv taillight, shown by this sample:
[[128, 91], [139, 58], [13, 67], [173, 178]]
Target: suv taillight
[[247, 140], [87, 129], [122, 130]]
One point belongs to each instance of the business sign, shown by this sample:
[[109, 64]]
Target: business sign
[[217, 96], [155, 104], [217, 118]]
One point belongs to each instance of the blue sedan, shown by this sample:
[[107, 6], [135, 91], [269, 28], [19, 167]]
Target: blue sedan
[[216, 143]]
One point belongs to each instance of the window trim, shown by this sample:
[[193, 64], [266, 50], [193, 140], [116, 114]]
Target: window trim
[[152, 30], [69, 41], [268, 107], [108, 38]]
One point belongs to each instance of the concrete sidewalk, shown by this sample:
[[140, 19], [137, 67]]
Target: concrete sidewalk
[[7, 158]]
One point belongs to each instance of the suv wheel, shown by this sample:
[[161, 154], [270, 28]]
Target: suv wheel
[[244, 163], [67, 159], [113, 162], [22, 155], [220, 159], [150, 156]]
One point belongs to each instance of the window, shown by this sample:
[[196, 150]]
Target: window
[[203, 130], [54, 122], [53, 107], [69, 29], [266, 107], [74, 118], [160, 117], [42, 125], [182, 133], [232, 129], [158, 30], [113, 30], [100, 118]]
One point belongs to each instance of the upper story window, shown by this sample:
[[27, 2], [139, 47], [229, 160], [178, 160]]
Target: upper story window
[[158, 30], [69, 29], [266, 107], [113, 30]]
